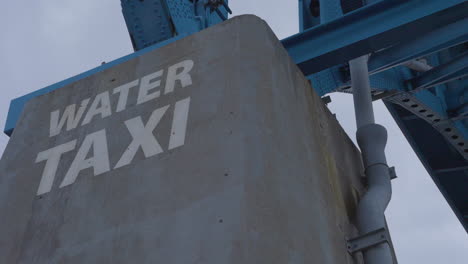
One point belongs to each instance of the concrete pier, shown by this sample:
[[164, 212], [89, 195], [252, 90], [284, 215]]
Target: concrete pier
[[213, 149]]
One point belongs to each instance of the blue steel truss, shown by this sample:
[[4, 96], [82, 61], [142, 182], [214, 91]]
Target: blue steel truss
[[430, 107], [152, 21]]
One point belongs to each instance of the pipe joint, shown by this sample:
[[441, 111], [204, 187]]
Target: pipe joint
[[367, 168], [372, 139]]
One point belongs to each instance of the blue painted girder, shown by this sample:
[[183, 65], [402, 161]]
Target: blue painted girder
[[369, 29], [455, 69], [439, 39], [381, 62], [152, 21], [448, 169], [148, 22]]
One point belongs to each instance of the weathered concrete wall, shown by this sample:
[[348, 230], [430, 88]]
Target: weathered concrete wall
[[262, 173]]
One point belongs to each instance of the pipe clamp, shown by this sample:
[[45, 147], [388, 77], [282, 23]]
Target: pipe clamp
[[368, 240]]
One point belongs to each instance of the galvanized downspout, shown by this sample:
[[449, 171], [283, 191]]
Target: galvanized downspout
[[372, 139]]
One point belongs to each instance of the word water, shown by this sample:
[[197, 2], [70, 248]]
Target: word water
[[149, 88], [93, 152]]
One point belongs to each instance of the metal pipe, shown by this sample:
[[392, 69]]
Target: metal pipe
[[361, 91], [372, 139]]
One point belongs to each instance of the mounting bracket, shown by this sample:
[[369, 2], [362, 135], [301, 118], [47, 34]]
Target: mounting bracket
[[368, 240], [392, 172]]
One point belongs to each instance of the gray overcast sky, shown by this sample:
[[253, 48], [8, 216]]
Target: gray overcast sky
[[46, 41]]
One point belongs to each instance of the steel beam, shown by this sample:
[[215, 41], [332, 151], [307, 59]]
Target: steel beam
[[456, 169], [363, 31], [437, 156], [428, 107], [147, 22], [457, 68], [153, 21], [439, 39]]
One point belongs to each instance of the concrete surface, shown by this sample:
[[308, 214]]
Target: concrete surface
[[263, 173]]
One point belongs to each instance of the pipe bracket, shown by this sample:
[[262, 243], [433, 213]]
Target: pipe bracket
[[368, 240], [392, 172]]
